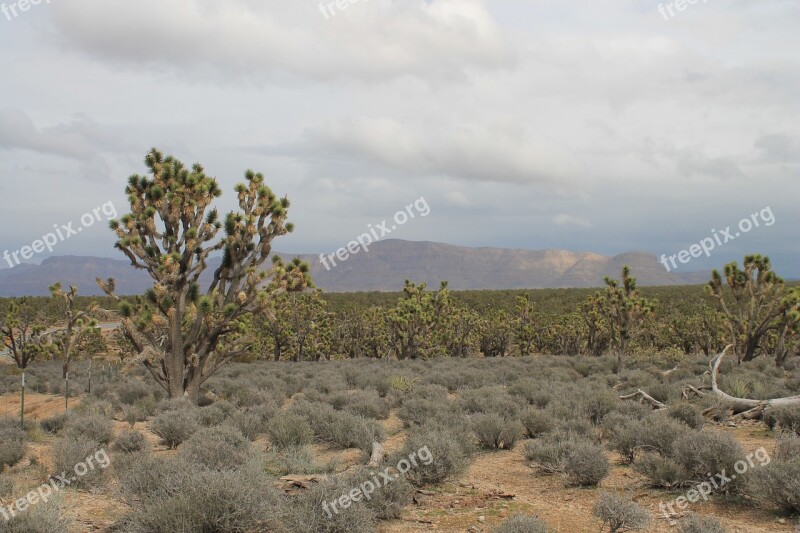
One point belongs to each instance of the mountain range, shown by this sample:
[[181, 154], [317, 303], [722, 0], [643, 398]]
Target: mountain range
[[384, 268]]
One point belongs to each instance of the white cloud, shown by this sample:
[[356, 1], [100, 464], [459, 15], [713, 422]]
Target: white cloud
[[564, 219], [458, 199], [262, 40]]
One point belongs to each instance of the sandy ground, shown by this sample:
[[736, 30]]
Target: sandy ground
[[496, 485]]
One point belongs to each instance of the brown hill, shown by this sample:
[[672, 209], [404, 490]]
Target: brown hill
[[384, 268]]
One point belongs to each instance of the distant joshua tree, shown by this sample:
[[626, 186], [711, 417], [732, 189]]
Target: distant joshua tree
[[181, 333]]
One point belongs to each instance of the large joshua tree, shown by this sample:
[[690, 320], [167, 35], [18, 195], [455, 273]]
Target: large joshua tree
[[184, 335], [756, 305]]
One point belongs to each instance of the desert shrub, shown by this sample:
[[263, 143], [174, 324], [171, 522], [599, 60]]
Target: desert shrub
[[132, 415], [496, 433], [130, 441], [53, 424], [520, 523], [687, 413], [787, 446], [388, 500], [701, 452], [339, 428], [449, 451], [146, 407], [662, 471], [659, 432], [96, 406], [579, 427], [92, 426], [633, 410], [788, 417], [618, 513], [289, 429], [586, 464], [695, 523], [312, 511], [250, 422], [531, 391], [143, 475], [175, 425], [130, 391], [211, 415], [417, 411], [70, 451], [655, 433], [296, 460], [219, 501], [13, 441], [598, 404], [6, 486], [40, 518], [661, 392], [623, 434], [216, 448], [494, 400], [550, 452], [776, 485], [367, 404], [536, 422]]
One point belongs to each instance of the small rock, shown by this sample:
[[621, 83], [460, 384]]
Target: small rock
[[481, 519]]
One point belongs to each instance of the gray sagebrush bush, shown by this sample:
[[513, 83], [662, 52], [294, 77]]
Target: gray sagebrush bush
[[695, 523], [53, 424], [687, 413], [220, 501], [312, 511], [71, 450], [92, 425], [776, 485], [449, 452], [702, 452], [175, 425], [216, 448], [662, 472], [44, 517], [619, 513], [495, 432], [6, 486], [520, 523], [586, 464], [296, 460], [14, 443], [788, 418], [289, 429], [130, 441], [536, 422]]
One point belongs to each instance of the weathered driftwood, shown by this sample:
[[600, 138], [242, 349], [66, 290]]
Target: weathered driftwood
[[295, 483], [745, 407], [378, 455], [741, 407], [643, 396]]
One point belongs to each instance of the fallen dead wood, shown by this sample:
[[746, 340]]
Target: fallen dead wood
[[745, 407], [293, 484], [643, 396], [378, 455], [739, 407]]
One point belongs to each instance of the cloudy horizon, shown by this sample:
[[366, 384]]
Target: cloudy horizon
[[535, 125]]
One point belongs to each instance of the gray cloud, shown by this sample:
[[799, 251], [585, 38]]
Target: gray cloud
[[573, 124]]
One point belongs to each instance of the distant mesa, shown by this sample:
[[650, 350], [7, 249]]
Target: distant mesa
[[384, 268]]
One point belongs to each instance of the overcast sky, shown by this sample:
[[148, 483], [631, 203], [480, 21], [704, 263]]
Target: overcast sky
[[591, 125]]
